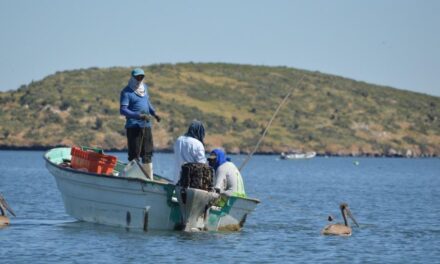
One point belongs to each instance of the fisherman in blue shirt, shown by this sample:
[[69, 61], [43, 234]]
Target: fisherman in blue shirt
[[135, 105]]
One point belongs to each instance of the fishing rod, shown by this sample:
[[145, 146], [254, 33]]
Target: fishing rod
[[270, 123]]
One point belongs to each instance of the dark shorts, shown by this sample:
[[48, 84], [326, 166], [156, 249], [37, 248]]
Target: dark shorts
[[140, 143]]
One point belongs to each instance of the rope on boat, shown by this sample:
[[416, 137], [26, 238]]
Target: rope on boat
[[270, 123]]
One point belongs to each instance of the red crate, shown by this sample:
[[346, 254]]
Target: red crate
[[92, 161]]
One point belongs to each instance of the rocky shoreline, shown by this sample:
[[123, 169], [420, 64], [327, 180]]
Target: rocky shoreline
[[389, 154]]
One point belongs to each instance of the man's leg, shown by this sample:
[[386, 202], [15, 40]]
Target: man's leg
[[133, 142], [147, 145], [147, 151]]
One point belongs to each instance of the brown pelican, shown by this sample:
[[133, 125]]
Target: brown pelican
[[4, 220], [340, 229]]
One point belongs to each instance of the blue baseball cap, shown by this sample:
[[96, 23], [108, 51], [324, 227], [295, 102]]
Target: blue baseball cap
[[137, 71]]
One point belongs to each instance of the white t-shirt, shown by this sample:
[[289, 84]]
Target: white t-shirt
[[187, 149], [228, 179]]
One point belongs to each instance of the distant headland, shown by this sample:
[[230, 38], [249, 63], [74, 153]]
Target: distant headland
[[331, 115]]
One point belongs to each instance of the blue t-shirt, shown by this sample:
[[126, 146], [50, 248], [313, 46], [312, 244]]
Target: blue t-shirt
[[138, 105]]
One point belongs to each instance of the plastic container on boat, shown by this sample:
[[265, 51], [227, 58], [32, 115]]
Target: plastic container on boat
[[92, 161]]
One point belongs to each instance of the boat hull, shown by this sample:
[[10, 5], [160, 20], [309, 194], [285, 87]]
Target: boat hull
[[116, 201], [136, 203], [200, 213], [307, 155]]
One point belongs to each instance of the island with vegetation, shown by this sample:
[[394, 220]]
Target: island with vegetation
[[328, 114]]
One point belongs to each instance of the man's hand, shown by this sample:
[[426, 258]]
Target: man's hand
[[157, 118], [144, 117]]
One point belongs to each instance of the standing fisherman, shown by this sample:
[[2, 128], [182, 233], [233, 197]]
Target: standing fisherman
[[137, 108]]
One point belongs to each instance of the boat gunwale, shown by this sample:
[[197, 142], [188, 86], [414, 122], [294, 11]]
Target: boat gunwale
[[71, 170]]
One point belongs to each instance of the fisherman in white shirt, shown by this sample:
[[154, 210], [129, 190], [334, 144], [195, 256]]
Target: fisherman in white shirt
[[189, 148]]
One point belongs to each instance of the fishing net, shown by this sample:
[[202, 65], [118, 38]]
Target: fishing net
[[196, 175]]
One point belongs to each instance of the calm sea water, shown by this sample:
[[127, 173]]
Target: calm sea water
[[395, 201]]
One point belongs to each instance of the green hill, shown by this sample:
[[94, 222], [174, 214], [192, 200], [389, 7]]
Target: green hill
[[325, 113]]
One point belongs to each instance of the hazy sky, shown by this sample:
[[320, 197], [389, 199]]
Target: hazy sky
[[394, 43]]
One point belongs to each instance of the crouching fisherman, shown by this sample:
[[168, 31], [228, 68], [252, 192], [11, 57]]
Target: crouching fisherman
[[227, 178]]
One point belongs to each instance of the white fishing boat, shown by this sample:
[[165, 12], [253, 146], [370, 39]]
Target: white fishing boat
[[296, 155], [125, 197]]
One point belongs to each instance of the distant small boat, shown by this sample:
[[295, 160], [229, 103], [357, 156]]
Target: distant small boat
[[296, 155], [123, 196]]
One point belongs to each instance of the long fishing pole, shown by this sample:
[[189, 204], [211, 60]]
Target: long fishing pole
[[270, 123]]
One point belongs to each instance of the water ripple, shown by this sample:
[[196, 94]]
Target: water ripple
[[395, 202]]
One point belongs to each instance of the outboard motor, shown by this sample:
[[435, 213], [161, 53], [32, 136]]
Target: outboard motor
[[194, 196]]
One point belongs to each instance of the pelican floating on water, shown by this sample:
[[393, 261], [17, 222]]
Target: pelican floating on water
[[340, 229], [4, 220]]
